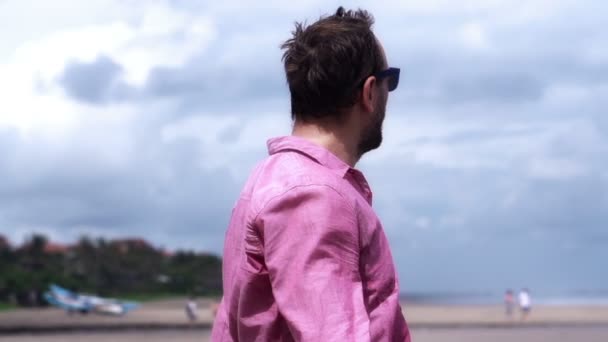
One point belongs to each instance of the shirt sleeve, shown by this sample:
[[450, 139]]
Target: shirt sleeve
[[311, 250]]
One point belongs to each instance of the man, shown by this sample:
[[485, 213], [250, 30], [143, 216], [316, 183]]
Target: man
[[305, 256], [525, 303], [509, 302], [191, 310]]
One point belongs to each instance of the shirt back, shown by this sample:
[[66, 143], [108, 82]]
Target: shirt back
[[305, 256]]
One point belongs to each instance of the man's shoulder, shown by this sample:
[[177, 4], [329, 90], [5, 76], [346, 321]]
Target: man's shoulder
[[285, 172]]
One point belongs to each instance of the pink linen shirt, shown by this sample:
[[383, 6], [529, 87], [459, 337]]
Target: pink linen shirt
[[305, 256]]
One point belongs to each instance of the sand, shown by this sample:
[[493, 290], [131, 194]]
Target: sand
[[488, 315], [166, 320], [512, 335], [166, 313], [452, 335]]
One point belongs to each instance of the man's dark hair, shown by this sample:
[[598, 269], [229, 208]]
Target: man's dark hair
[[326, 62]]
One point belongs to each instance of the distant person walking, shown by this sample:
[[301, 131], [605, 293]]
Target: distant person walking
[[191, 310], [525, 303], [509, 303]]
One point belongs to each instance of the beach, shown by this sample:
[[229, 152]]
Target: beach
[[166, 320], [593, 334], [494, 316]]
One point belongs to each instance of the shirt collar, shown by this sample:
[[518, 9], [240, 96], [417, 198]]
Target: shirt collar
[[316, 152]]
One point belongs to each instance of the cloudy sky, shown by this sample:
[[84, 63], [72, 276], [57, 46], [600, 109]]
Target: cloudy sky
[[120, 118]]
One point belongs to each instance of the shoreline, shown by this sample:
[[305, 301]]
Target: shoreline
[[169, 315], [418, 335], [97, 329]]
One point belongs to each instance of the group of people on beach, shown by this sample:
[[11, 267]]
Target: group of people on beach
[[524, 302]]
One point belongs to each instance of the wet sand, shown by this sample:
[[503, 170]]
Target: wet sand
[[164, 313], [598, 334], [494, 316], [170, 314], [135, 336], [166, 321]]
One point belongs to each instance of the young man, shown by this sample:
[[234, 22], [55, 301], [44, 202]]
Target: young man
[[191, 310], [306, 257], [509, 303], [525, 303]]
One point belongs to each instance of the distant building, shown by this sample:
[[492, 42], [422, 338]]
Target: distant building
[[56, 248], [49, 248], [4, 243], [126, 245]]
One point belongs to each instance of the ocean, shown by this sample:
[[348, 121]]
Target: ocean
[[548, 298]]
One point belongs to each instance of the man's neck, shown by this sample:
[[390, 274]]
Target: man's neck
[[334, 139]]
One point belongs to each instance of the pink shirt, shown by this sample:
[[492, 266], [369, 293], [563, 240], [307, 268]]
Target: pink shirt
[[305, 256]]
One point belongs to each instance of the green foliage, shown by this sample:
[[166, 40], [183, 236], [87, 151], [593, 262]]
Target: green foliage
[[127, 269], [6, 306], [148, 297]]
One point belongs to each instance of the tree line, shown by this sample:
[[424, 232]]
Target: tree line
[[129, 268]]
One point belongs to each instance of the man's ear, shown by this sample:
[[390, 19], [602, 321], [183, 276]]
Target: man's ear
[[368, 94]]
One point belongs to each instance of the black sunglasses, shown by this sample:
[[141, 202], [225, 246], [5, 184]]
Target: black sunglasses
[[393, 77]]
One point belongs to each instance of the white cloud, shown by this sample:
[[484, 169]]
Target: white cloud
[[33, 103], [423, 222], [459, 167], [556, 169], [474, 35]]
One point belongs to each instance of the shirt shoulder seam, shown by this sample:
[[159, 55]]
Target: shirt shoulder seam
[[283, 193]]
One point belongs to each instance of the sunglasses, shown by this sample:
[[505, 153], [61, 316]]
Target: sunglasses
[[393, 77]]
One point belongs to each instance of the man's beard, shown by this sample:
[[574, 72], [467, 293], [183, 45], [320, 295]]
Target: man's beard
[[371, 137]]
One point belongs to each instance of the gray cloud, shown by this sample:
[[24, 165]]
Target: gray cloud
[[162, 193], [197, 86], [489, 228], [205, 82], [493, 88], [516, 198], [97, 82]]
